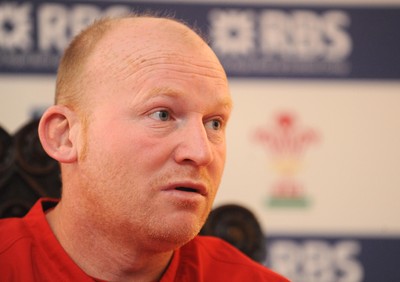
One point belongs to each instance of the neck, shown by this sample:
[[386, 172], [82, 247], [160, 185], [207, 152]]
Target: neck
[[102, 255]]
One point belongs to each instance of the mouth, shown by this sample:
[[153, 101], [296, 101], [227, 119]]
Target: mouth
[[190, 188], [187, 189]]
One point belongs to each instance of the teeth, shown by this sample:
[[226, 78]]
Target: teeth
[[186, 189]]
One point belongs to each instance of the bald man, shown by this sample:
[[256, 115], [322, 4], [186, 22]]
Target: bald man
[[138, 127]]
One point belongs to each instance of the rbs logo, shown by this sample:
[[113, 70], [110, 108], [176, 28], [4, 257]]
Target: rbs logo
[[297, 35], [316, 260], [55, 24]]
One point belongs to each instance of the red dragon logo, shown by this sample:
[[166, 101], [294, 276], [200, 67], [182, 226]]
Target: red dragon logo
[[286, 142]]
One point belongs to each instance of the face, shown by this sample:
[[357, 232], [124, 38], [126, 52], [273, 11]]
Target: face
[[155, 142]]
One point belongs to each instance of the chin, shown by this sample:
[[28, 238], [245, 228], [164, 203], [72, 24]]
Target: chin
[[176, 235]]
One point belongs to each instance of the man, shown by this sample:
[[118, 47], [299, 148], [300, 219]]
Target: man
[[138, 128]]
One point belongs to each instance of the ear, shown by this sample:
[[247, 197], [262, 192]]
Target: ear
[[55, 133]]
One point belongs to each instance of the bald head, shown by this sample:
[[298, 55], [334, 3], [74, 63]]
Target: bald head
[[114, 48]]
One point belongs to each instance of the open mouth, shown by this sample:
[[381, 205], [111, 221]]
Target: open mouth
[[186, 189]]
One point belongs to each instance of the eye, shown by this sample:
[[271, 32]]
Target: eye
[[214, 124], [162, 115]]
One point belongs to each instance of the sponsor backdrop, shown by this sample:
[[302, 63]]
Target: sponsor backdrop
[[314, 140]]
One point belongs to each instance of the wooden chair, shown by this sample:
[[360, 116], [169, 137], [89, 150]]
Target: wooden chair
[[26, 171]]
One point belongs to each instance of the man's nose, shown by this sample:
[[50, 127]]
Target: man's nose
[[194, 145]]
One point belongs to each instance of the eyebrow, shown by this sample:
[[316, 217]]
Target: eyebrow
[[163, 91], [166, 91]]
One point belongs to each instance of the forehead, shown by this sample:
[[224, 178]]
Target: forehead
[[145, 60], [133, 47], [133, 40]]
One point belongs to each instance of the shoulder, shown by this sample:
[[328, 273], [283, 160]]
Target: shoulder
[[18, 235], [15, 247], [215, 255], [12, 230]]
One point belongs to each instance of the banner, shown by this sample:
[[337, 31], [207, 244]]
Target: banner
[[317, 159], [250, 40], [333, 259]]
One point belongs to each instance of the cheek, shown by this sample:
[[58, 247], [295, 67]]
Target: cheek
[[101, 146], [131, 151]]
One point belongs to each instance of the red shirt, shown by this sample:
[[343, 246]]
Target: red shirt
[[29, 251]]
